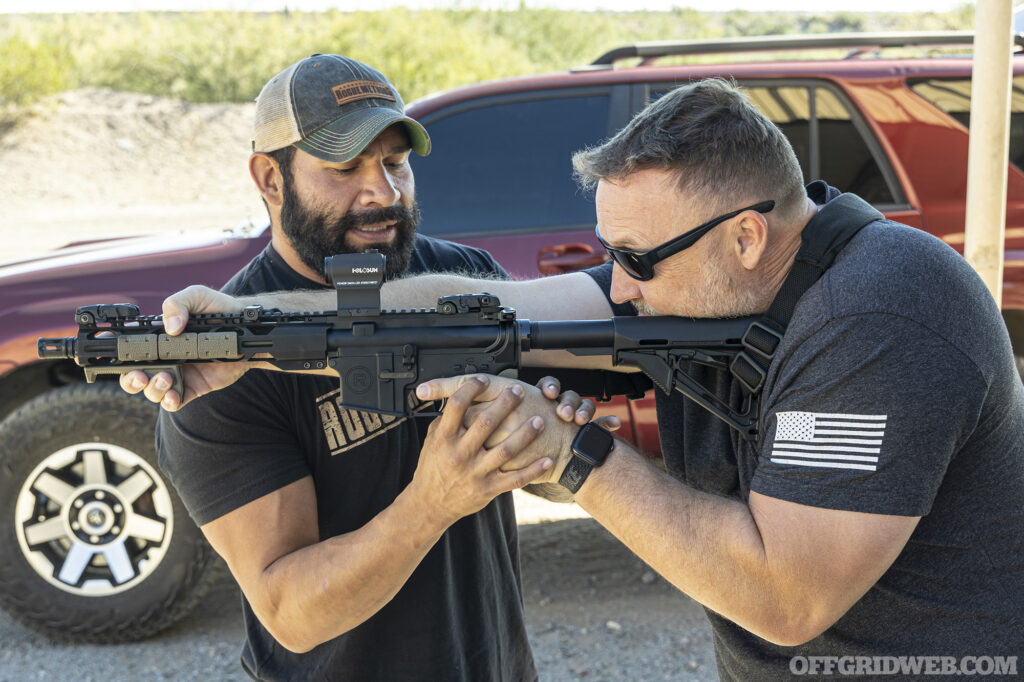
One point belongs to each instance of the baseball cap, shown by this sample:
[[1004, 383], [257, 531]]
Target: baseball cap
[[331, 107]]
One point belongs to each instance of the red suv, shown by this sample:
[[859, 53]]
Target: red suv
[[98, 548]]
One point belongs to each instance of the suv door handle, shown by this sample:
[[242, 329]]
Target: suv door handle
[[562, 258]]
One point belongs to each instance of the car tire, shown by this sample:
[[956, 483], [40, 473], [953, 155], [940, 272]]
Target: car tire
[[96, 545]]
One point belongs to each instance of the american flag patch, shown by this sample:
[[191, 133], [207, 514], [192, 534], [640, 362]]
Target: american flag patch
[[833, 441]]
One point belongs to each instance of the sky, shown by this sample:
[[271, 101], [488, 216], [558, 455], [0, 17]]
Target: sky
[[810, 6]]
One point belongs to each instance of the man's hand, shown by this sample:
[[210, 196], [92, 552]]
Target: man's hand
[[560, 427], [457, 473], [200, 378], [570, 407]]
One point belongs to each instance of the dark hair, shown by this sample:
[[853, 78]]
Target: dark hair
[[723, 149], [283, 157]]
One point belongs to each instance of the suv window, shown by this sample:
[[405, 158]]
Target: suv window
[[953, 95], [518, 171], [830, 142]]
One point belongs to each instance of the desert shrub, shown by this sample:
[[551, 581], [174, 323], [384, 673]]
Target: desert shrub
[[30, 69], [227, 56]]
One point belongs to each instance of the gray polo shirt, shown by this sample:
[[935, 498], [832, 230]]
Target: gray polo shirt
[[894, 392]]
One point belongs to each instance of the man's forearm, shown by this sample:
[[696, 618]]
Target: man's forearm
[[319, 592], [574, 296], [708, 546]]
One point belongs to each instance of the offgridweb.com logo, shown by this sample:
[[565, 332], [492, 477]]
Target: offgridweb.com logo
[[903, 665]]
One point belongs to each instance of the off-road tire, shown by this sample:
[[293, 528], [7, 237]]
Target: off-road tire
[[170, 569]]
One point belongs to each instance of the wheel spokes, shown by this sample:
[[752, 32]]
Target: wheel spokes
[[94, 466], [118, 561], [132, 487], [94, 519], [75, 562], [145, 528], [54, 488], [45, 531]]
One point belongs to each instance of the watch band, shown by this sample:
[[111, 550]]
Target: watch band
[[589, 449], [575, 472]]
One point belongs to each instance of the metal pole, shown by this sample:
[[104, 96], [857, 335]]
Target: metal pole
[[989, 142]]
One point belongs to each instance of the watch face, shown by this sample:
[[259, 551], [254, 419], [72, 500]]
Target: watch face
[[593, 444]]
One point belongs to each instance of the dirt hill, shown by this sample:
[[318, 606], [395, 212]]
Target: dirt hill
[[98, 162]]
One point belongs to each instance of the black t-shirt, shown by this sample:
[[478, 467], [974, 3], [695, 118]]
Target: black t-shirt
[[894, 391], [460, 615]]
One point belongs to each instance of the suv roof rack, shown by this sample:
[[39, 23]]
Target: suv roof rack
[[859, 43]]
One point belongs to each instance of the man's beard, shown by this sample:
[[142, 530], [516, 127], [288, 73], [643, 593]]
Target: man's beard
[[315, 234]]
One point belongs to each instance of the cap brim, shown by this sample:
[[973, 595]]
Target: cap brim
[[347, 137]]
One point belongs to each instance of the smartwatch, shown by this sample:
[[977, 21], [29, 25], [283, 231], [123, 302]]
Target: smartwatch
[[589, 450]]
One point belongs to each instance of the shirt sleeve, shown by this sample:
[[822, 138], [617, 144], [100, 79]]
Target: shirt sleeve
[[438, 255], [489, 266], [231, 446], [602, 274], [865, 415]]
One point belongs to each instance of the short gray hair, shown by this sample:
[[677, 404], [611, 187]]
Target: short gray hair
[[723, 149]]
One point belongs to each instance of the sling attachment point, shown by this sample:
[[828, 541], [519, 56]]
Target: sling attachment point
[[750, 366]]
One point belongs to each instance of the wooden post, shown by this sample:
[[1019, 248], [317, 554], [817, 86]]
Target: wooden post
[[989, 142]]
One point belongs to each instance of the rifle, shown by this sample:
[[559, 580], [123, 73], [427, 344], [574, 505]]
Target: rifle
[[380, 356]]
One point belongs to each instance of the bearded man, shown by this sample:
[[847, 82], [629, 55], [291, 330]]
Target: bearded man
[[358, 557]]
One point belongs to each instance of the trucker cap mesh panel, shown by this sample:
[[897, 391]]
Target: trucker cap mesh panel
[[275, 126]]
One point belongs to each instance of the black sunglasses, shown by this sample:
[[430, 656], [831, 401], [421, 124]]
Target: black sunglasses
[[641, 265]]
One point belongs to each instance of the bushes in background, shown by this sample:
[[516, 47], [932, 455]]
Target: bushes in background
[[227, 56]]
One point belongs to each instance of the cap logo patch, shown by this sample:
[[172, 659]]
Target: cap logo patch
[[356, 90]]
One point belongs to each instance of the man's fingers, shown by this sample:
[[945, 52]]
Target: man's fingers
[[171, 401], [157, 386], [505, 451], [511, 480], [490, 418], [571, 407], [610, 422], [460, 400], [133, 382], [550, 387], [436, 389], [585, 411], [194, 299]]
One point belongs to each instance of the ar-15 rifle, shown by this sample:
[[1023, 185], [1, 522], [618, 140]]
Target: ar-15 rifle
[[382, 355]]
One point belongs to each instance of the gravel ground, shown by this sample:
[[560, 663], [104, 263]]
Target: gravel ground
[[595, 612], [97, 163]]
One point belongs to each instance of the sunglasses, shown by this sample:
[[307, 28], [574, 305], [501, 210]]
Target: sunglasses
[[640, 265]]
